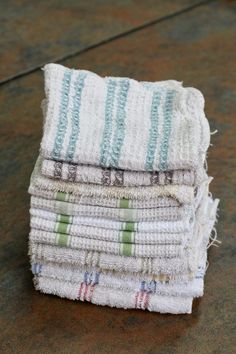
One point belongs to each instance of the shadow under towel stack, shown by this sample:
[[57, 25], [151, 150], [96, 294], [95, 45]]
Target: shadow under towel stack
[[120, 208]]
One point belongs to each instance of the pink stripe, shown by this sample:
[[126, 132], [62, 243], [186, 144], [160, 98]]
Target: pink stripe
[[91, 293], [136, 299], [146, 301], [80, 289], [142, 299], [139, 299], [85, 292]]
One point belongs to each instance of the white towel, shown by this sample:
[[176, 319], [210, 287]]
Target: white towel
[[183, 194], [157, 202], [99, 295], [125, 249], [180, 226], [156, 266], [122, 123], [118, 214], [171, 268], [108, 234], [113, 177], [120, 281]]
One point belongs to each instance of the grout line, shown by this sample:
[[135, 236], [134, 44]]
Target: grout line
[[105, 41]]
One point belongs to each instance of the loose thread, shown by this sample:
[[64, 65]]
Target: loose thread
[[214, 132]]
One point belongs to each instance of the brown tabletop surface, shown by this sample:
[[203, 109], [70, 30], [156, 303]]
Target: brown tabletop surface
[[190, 41]]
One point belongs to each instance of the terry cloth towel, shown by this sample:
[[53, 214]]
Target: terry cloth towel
[[158, 202], [111, 177], [108, 234], [119, 281], [119, 214], [183, 194], [155, 266], [180, 226], [125, 249], [122, 123], [100, 295]]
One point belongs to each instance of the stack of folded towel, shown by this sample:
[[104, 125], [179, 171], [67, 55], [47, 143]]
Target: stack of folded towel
[[120, 209]]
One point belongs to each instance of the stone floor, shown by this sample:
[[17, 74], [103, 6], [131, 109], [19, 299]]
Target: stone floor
[[190, 41]]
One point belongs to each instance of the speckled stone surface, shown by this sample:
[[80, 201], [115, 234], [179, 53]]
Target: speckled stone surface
[[36, 32], [197, 47]]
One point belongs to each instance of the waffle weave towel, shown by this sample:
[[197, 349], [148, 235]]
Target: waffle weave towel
[[180, 226], [118, 214], [124, 249], [187, 264], [122, 123], [108, 234], [157, 202], [171, 268]]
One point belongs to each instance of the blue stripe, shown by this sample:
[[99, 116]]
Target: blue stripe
[[105, 145], [86, 277], [62, 124], [168, 108], [142, 285], [78, 86], [97, 275], [153, 131], [120, 123], [36, 268]]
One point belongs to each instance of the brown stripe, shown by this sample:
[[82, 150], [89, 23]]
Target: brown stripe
[[106, 177], [169, 176], [57, 169], [154, 178], [72, 173], [119, 178]]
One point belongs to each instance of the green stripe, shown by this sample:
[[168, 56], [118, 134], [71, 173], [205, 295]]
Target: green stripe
[[62, 228], [62, 240], [126, 249], [64, 218], [124, 203], [127, 237], [129, 226], [61, 196]]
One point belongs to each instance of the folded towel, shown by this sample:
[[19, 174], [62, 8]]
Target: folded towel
[[157, 202], [183, 194], [186, 265], [125, 249], [121, 123], [171, 268], [180, 226], [119, 214], [100, 295], [184, 278], [119, 281], [114, 177], [102, 234]]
